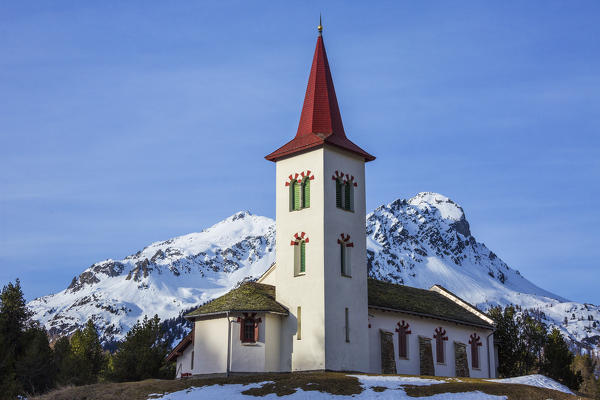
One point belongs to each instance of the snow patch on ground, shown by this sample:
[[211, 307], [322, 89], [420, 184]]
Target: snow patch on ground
[[535, 380], [392, 383]]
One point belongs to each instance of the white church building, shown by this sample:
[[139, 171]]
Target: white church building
[[315, 308]]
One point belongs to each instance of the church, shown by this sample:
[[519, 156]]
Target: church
[[315, 308]]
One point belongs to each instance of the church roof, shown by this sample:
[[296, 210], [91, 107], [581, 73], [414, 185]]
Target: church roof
[[320, 120], [428, 303], [181, 346], [249, 297]]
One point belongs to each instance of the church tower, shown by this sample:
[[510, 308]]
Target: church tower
[[320, 271]]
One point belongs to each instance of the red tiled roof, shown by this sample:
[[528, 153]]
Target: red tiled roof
[[320, 121]]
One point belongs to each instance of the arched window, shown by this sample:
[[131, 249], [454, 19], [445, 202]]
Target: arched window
[[440, 337], [475, 342], [345, 245], [299, 186], [306, 193], [299, 242], [403, 330], [344, 190]]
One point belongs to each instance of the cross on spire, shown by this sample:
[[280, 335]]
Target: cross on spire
[[320, 27]]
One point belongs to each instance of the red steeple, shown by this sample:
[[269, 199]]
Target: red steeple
[[320, 121]]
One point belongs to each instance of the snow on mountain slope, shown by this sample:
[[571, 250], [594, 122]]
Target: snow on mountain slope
[[163, 278], [420, 242], [426, 240]]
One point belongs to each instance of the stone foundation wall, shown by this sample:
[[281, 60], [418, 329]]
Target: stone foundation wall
[[388, 362], [460, 359], [425, 357]]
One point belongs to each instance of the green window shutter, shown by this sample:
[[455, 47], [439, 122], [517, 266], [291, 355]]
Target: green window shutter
[[347, 196], [302, 256], [338, 193], [306, 193], [297, 193], [343, 258], [292, 196]]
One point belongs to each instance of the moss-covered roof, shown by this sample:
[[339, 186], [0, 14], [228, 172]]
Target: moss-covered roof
[[250, 296], [419, 301]]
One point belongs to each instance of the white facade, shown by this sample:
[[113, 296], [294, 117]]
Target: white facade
[[422, 326], [327, 299], [217, 348], [319, 281], [183, 365]]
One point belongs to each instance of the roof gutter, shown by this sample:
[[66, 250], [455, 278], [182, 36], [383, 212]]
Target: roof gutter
[[228, 345], [434, 317], [487, 341], [226, 313]]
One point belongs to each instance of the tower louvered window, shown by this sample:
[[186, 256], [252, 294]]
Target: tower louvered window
[[343, 257], [303, 257], [344, 191], [299, 187], [345, 245], [338, 193], [348, 196], [306, 193], [299, 242], [296, 193]]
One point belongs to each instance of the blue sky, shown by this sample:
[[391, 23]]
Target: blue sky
[[123, 123]]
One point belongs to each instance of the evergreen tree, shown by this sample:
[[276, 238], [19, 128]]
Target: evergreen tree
[[141, 354], [558, 359], [511, 350], [533, 334], [64, 362], [87, 355], [14, 320], [586, 365], [35, 366]]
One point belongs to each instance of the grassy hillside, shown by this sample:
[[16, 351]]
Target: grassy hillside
[[284, 384]]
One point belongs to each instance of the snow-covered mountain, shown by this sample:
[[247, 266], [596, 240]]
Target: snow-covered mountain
[[419, 242], [164, 278]]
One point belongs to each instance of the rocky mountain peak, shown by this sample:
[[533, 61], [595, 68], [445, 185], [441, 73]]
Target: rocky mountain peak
[[422, 241]]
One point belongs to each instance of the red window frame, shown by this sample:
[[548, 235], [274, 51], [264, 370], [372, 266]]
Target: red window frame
[[475, 342], [440, 337], [249, 328], [403, 330]]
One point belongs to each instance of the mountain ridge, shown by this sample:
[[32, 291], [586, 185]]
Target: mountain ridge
[[420, 241]]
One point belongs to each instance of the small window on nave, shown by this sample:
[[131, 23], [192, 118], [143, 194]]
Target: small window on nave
[[440, 350], [475, 342], [403, 330], [249, 328]]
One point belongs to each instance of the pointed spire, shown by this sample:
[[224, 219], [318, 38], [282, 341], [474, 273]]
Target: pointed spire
[[320, 120], [320, 113]]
